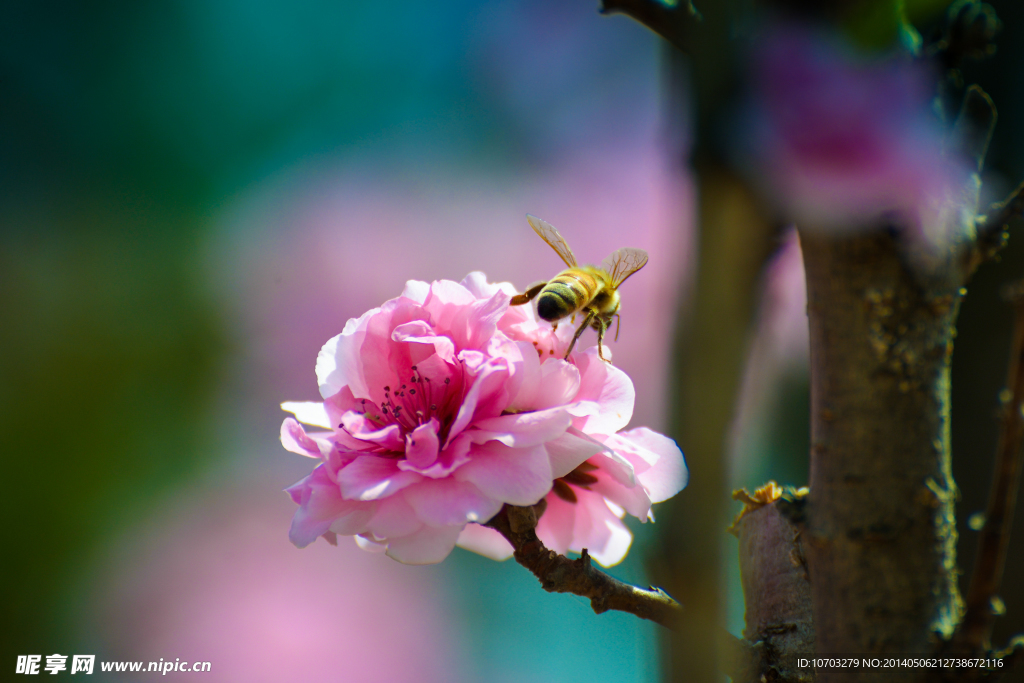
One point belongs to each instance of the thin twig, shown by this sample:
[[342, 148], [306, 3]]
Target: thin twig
[[559, 574], [976, 628], [665, 20]]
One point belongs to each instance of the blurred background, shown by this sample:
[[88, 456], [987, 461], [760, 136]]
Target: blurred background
[[195, 196]]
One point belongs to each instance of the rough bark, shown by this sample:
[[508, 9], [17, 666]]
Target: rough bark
[[776, 589], [881, 534]]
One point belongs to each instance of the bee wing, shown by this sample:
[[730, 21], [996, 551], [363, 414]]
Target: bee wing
[[623, 263], [548, 233]]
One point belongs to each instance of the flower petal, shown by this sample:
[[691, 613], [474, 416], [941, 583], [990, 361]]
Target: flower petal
[[519, 476], [667, 474], [421, 332], [421, 445], [523, 429], [448, 460], [388, 437], [429, 545], [479, 401], [570, 450], [320, 504], [393, 518], [444, 502], [610, 388], [340, 362], [308, 412], [369, 477], [416, 290], [295, 439], [485, 541], [555, 527]]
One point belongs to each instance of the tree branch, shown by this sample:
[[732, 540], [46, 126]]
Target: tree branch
[[665, 20], [559, 574], [776, 585], [994, 539]]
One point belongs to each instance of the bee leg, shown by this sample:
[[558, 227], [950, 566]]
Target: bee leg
[[579, 331], [528, 295], [618, 319], [602, 327]]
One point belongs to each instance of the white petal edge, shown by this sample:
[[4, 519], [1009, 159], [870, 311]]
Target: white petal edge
[[308, 412]]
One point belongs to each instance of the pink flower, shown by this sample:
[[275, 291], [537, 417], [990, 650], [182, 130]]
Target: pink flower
[[844, 143], [444, 404]]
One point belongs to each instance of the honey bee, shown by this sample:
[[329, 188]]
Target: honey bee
[[590, 290]]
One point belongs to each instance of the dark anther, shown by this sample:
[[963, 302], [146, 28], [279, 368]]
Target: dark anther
[[412, 391], [581, 479], [563, 491]]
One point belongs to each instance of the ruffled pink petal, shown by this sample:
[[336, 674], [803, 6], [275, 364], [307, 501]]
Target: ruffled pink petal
[[555, 526], [599, 530], [615, 535], [480, 401], [340, 362], [416, 290], [477, 285], [444, 502], [667, 474], [523, 429], [393, 518], [610, 388], [421, 445], [570, 450], [482, 319], [420, 332], [484, 541], [336, 406], [632, 499], [388, 437], [553, 382], [470, 321], [429, 545], [520, 476], [354, 520], [381, 357], [295, 439], [320, 503], [369, 477], [448, 460], [616, 465]]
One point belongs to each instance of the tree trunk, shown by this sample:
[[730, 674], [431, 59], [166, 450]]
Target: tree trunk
[[881, 533]]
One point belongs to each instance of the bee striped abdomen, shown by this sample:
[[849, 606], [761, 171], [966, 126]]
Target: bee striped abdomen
[[570, 291]]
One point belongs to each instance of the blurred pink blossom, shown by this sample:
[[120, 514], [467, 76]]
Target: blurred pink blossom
[[443, 405], [844, 143]]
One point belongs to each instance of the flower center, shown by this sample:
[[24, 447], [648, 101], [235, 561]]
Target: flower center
[[414, 403]]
